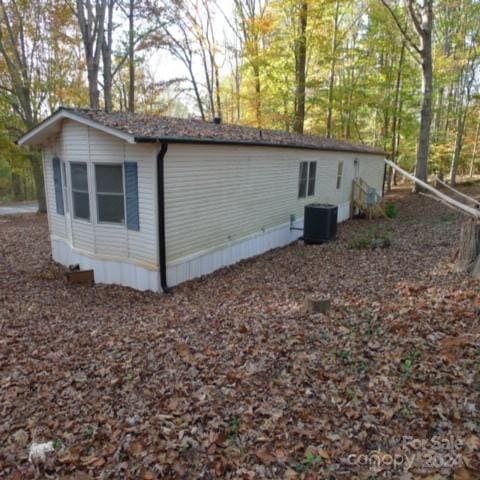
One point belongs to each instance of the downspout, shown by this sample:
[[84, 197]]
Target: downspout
[[384, 179], [161, 216]]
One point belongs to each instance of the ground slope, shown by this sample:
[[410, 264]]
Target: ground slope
[[228, 378]]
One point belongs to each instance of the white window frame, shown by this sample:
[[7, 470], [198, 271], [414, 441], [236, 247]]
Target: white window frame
[[306, 180], [72, 191], [107, 164]]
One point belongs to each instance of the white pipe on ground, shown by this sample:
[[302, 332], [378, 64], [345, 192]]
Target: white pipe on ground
[[472, 212], [466, 197]]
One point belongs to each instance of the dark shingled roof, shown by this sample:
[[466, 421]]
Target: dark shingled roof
[[150, 128]]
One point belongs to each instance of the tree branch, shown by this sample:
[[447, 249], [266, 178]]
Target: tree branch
[[401, 28]]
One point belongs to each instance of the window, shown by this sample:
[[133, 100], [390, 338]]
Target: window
[[302, 180], [110, 198], [312, 173], [81, 203], [339, 174], [57, 182], [306, 179], [65, 188]]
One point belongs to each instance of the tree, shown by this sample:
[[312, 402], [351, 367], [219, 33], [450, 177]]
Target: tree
[[300, 68], [107, 47], [421, 16], [251, 14], [131, 56], [22, 31], [176, 36], [92, 26]]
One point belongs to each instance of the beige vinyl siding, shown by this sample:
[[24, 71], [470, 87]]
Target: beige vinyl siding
[[372, 170], [143, 245], [79, 143], [216, 194], [56, 222]]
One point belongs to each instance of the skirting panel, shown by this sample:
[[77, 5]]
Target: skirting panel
[[107, 271], [187, 268], [207, 262]]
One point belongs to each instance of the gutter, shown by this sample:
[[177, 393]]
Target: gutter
[[161, 216], [211, 141]]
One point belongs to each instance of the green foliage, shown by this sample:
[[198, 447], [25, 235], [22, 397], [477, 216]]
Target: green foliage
[[57, 444], [409, 361], [370, 240], [309, 461], [234, 428], [391, 210], [16, 179], [363, 243]]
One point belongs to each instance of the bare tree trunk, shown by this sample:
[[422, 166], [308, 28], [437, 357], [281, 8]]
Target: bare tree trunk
[[197, 92], [131, 57], [421, 168], [421, 17], [35, 158], [258, 95], [249, 13], [238, 85], [331, 80], [474, 153], [458, 147], [217, 89], [107, 58], [396, 115], [92, 29], [300, 70]]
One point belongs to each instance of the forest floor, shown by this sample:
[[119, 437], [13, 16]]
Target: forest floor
[[228, 378]]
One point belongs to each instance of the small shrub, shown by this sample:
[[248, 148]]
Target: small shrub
[[391, 210], [233, 434], [370, 242], [309, 461], [57, 444], [447, 218], [360, 244], [409, 361], [380, 242]]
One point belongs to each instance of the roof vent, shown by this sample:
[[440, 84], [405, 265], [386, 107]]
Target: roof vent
[[217, 120]]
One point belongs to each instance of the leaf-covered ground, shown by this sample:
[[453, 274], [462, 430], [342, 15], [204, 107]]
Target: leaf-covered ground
[[229, 378]]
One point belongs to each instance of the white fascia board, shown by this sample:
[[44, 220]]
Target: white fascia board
[[30, 137]]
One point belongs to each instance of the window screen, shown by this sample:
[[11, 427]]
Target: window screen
[[81, 202], [65, 188], [306, 179], [312, 174], [302, 180], [339, 175], [57, 180], [110, 197]]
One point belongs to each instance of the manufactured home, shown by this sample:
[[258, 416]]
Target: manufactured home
[[149, 202]]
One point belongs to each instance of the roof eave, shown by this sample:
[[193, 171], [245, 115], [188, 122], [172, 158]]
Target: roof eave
[[37, 134], [211, 141]]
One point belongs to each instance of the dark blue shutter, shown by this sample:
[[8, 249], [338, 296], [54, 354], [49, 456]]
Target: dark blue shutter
[[57, 180], [131, 194]]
